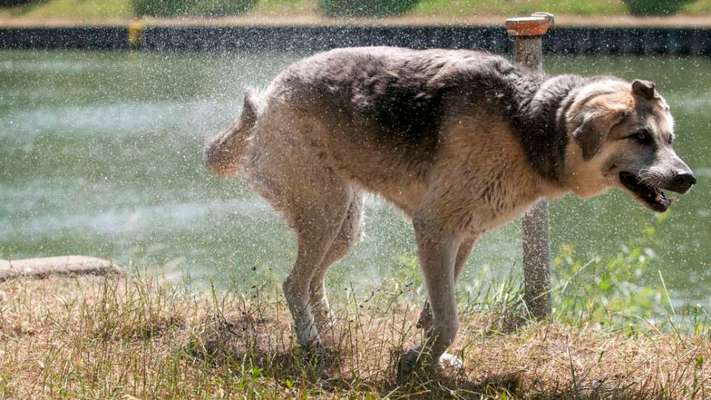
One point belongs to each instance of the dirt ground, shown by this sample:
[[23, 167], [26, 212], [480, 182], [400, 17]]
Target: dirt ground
[[94, 337]]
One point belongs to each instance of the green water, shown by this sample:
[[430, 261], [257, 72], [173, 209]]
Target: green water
[[100, 155]]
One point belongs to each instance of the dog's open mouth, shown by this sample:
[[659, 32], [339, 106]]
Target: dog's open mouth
[[650, 195]]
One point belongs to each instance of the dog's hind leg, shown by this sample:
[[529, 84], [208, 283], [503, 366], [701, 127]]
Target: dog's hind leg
[[317, 219], [286, 165], [348, 235]]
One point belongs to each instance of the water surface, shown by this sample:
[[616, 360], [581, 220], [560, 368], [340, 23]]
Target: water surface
[[100, 155]]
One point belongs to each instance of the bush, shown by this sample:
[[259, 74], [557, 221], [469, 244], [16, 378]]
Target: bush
[[170, 8], [612, 291], [655, 7], [365, 8], [10, 3]]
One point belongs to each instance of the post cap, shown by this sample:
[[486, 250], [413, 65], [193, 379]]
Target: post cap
[[536, 25]]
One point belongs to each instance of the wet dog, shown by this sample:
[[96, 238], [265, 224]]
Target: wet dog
[[460, 141]]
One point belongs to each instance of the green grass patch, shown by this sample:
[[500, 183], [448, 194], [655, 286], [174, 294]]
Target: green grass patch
[[287, 7], [208, 8], [518, 7], [655, 7], [366, 8], [71, 9], [699, 7]]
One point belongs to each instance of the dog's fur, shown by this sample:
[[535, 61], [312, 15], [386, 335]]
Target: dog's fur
[[461, 141]]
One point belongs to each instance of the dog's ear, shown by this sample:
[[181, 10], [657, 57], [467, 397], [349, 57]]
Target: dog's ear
[[594, 129], [643, 89], [588, 139]]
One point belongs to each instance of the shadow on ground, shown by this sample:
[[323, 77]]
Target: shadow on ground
[[268, 345]]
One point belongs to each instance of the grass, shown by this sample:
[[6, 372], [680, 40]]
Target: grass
[[287, 7], [97, 9], [71, 9], [507, 7], [143, 338]]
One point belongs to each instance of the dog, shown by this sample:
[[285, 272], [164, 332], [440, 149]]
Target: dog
[[461, 141]]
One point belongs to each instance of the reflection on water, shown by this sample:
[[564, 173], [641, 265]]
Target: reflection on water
[[100, 155]]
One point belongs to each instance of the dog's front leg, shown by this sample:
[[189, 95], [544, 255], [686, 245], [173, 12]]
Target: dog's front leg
[[465, 249], [437, 250]]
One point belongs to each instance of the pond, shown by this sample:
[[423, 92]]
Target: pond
[[100, 154]]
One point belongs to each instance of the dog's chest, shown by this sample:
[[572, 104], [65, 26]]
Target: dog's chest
[[484, 177]]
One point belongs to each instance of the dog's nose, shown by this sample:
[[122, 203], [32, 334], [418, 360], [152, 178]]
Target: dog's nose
[[686, 179], [683, 181]]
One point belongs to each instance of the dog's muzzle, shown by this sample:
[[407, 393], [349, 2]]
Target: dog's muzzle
[[682, 182], [653, 196]]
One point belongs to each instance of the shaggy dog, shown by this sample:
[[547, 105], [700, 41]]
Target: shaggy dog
[[461, 141]]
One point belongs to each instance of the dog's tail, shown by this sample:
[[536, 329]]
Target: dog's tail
[[223, 152]]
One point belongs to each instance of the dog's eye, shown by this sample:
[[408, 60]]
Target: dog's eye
[[642, 136]]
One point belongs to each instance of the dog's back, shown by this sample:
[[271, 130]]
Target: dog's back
[[376, 115]]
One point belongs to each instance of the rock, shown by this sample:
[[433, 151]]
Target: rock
[[43, 267]]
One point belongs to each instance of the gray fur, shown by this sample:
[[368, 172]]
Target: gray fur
[[402, 96]]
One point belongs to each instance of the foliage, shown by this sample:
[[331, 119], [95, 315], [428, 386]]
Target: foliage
[[169, 8], [655, 7], [365, 8], [69, 9], [611, 291], [10, 3]]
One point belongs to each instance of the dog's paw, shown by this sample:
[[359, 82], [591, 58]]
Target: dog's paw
[[321, 356], [418, 364], [450, 362], [408, 363], [414, 364], [314, 351], [324, 319]]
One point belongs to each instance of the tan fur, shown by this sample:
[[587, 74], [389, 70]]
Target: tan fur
[[584, 176]]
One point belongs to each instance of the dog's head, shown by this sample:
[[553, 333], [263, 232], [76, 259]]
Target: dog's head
[[621, 135]]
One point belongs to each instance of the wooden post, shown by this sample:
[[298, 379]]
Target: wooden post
[[528, 50], [135, 33]]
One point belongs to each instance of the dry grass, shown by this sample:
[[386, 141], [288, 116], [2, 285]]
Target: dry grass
[[100, 338]]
